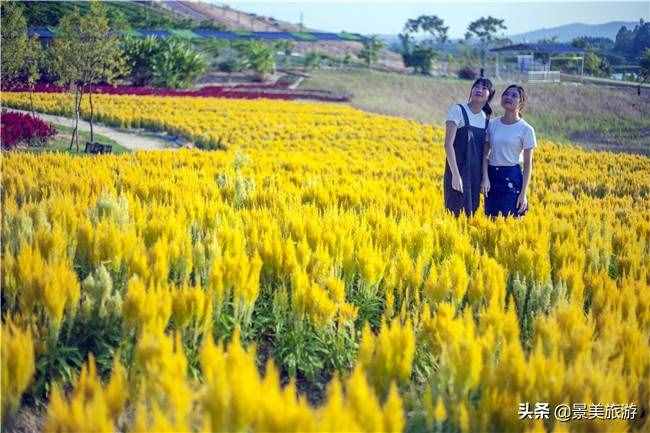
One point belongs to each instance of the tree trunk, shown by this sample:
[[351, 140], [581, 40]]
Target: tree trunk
[[90, 98], [74, 130], [81, 94], [31, 99]]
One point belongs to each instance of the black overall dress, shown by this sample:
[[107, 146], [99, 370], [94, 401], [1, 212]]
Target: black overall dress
[[468, 147]]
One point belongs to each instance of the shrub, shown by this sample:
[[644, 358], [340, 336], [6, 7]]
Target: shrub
[[259, 57], [19, 128], [466, 73], [168, 62], [419, 59], [313, 60]]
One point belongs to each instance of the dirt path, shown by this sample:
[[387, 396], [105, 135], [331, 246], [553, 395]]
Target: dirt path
[[134, 139]]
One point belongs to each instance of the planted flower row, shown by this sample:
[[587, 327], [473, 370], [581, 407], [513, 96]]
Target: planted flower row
[[239, 91], [19, 128]]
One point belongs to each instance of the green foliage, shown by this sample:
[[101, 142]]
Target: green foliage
[[420, 59], [485, 29], [531, 299], [208, 24], [593, 43], [644, 63], [170, 62], [349, 36], [304, 36], [120, 14], [370, 51], [313, 60], [177, 64], [596, 65], [85, 51], [633, 43], [139, 53], [210, 47], [257, 56], [188, 35], [431, 24], [420, 55], [14, 40], [286, 46], [59, 363]]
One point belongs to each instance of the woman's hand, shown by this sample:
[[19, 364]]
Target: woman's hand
[[522, 202], [457, 183], [485, 186]]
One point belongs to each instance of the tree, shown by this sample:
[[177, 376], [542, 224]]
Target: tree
[[160, 62], [259, 57], [632, 43], [286, 47], [313, 60], [419, 55], [31, 68], [176, 64], [86, 52], [485, 30], [644, 69], [14, 40], [420, 59], [429, 24], [370, 51], [641, 39], [139, 53], [22, 56], [595, 65], [593, 43]]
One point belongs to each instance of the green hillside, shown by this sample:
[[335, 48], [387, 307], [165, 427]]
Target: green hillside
[[128, 13]]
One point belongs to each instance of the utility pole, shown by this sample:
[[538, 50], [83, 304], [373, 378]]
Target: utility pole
[[302, 27]]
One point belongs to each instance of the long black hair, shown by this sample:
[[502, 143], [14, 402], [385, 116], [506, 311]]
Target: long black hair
[[487, 83]]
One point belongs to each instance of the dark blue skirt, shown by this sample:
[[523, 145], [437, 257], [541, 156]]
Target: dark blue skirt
[[505, 185]]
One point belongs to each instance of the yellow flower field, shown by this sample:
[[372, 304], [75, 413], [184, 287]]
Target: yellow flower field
[[200, 291]]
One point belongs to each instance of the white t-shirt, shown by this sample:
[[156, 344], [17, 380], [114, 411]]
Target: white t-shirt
[[455, 115], [508, 141]]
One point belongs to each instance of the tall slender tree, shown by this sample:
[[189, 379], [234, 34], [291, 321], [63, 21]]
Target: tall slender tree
[[370, 51], [21, 55], [485, 29], [419, 55], [14, 40], [86, 52]]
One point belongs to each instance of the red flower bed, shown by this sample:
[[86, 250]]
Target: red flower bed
[[240, 91], [16, 128]]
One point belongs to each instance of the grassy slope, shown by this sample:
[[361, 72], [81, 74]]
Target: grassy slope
[[48, 13], [594, 116]]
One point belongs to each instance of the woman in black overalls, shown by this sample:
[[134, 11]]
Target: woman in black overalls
[[464, 150]]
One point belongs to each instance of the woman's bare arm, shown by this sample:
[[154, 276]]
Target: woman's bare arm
[[522, 200], [450, 136], [528, 169], [485, 181]]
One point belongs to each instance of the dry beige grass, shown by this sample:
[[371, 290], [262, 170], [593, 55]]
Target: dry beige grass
[[595, 116]]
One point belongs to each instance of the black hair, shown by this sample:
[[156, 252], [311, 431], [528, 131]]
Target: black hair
[[487, 83], [522, 96]]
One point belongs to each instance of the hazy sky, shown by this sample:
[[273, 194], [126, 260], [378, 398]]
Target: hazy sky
[[383, 16]]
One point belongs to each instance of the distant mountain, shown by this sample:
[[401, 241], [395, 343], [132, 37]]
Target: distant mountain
[[568, 32]]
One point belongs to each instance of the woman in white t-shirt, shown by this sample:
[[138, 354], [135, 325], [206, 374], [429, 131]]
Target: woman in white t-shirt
[[511, 140], [466, 128]]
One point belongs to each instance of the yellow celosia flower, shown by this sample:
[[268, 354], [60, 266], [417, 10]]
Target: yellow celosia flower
[[388, 356], [17, 365], [91, 407], [323, 208]]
